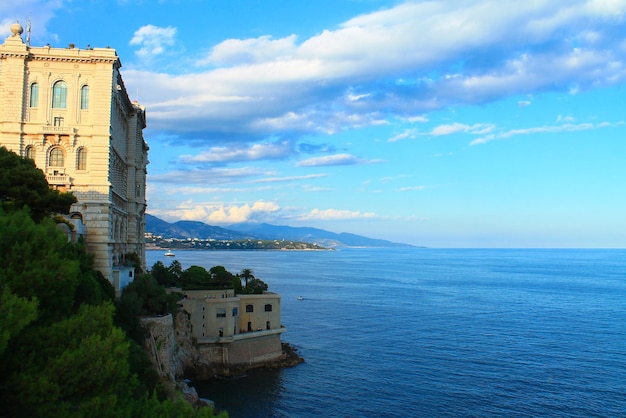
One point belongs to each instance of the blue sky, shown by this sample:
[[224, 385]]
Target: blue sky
[[456, 123]]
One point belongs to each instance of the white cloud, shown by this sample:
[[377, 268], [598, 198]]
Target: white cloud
[[562, 118], [288, 178], [209, 176], [476, 129], [412, 188], [249, 51], [332, 81], [218, 213], [566, 127], [153, 39], [336, 159], [408, 133], [264, 151], [420, 118], [335, 214]]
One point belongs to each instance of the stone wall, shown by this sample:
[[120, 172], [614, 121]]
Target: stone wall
[[175, 355]]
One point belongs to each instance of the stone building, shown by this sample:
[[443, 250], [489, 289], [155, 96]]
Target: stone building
[[239, 330], [69, 111]]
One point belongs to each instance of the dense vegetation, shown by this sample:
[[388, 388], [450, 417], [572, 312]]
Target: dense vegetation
[[196, 277], [65, 349]]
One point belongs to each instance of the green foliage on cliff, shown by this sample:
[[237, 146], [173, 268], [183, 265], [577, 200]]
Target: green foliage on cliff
[[61, 353], [39, 262], [197, 277], [255, 285], [144, 296]]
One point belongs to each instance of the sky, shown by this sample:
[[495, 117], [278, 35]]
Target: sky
[[443, 123]]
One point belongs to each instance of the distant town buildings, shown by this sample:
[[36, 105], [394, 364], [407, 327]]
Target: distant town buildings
[[69, 111]]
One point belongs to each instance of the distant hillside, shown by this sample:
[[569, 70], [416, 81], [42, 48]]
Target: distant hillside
[[191, 229], [314, 235]]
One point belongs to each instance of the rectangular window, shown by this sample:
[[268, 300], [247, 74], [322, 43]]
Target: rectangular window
[[268, 308], [84, 98], [221, 313], [58, 121], [34, 94], [81, 159]]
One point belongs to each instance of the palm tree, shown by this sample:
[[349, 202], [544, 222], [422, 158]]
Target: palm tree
[[247, 274]]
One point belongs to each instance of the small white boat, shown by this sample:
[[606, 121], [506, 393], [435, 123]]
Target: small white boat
[[170, 254], [300, 298]]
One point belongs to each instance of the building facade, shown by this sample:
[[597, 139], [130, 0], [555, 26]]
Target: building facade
[[69, 111], [235, 331], [220, 315]]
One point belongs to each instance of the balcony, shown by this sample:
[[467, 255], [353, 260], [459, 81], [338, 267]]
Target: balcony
[[58, 179]]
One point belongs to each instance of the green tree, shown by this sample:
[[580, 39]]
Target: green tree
[[161, 274], [93, 288], [152, 296], [256, 286], [60, 353], [15, 314], [246, 274], [220, 277], [38, 261], [22, 184], [176, 270], [167, 276], [195, 277], [78, 360]]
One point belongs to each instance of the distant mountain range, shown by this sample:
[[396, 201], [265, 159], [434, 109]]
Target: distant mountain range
[[193, 229]]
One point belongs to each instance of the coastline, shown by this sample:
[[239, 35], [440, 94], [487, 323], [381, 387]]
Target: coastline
[[152, 247]]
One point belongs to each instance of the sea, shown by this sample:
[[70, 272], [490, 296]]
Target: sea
[[419, 332]]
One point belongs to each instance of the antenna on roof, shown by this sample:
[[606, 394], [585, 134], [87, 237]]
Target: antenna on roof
[[28, 33]]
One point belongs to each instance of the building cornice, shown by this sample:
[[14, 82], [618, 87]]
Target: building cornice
[[15, 48], [87, 60]]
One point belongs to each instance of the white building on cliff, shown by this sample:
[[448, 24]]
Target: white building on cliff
[[239, 330], [69, 111]]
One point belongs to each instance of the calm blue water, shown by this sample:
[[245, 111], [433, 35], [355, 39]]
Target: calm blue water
[[437, 332]]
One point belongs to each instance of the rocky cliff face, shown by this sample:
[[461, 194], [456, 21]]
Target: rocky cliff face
[[169, 346], [171, 349], [176, 357]]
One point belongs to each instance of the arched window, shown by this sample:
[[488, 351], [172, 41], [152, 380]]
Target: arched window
[[81, 159], [59, 95], [249, 308], [29, 152], [34, 95], [84, 97], [56, 157], [268, 308]]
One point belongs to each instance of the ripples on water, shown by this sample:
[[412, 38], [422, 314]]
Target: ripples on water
[[423, 332]]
